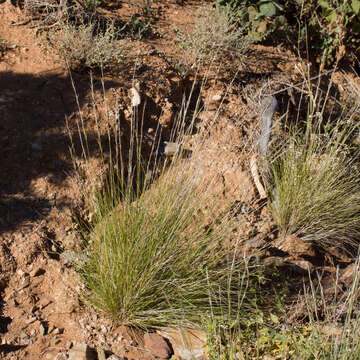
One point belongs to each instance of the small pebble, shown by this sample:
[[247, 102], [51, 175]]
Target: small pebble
[[217, 97]]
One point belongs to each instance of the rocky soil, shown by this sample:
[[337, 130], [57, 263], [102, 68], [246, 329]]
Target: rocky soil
[[41, 313]]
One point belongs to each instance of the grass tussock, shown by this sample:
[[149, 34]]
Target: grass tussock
[[160, 261], [85, 46], [316, 192], [154, 256], [215, 37]]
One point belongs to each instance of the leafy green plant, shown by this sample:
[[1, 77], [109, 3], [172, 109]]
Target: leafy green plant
[[335, 29], [262, 17], [327, 29], [136, 28], [329, 333]]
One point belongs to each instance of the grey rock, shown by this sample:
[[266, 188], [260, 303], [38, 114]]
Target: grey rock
[[269, 106], [81, 352], [301, 266], [171, 148], [70, 257]]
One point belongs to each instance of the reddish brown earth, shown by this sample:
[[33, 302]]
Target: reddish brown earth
[[41, 314]]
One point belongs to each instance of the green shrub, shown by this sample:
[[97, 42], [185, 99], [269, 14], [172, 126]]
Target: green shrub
[[328, 28]]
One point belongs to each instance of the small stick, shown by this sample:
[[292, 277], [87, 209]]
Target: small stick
[[269, 107], [25, 22], [255, 174]]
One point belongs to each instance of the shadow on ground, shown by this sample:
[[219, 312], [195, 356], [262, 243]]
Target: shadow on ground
[[34, 139]]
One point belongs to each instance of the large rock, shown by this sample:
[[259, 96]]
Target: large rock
[[157, 345], [188, 344], [348, 275], [294, 246]]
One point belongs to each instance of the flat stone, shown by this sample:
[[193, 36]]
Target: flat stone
[[188, 344], [274, 261], [294, 246], [348, 275], [301, 266], [157, 345], [81, 352]]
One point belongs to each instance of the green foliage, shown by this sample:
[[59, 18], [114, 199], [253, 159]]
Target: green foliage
[[93, 3], [136, 28], [271, 336], [328, 28], [262, 17]]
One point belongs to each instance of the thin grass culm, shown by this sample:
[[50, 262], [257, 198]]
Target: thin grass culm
[[154, 257]]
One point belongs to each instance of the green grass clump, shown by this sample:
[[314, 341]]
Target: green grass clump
[[317, 194], [156, 254], [156, 260], [316, 181]]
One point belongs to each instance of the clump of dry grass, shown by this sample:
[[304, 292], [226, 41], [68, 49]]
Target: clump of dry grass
[[214, 37], [87, 47]]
